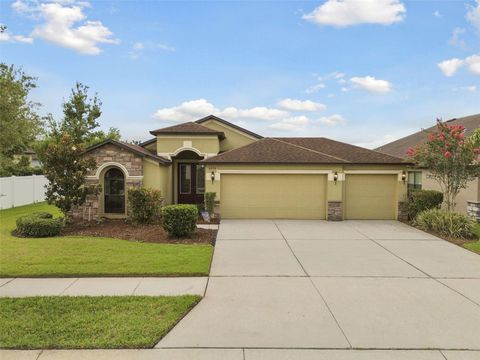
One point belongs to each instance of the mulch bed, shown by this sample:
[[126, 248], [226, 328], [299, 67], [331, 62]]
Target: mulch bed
[[453, 240], [151, 233]]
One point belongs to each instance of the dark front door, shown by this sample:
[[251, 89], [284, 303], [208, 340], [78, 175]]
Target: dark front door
[[114, 191], [191, 183]]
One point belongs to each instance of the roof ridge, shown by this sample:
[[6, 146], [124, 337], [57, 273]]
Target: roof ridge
[[359, 147], [315, 151]]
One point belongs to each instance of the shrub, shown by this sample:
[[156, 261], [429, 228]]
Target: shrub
[[40, 224], [421, 200], [42, 215], [210, 202], [447, 224], [179, 220], [144, 204]]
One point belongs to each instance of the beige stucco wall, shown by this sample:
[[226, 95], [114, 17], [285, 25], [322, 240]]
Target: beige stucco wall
[[209, 145], [334, 191], [233, 137], [472, 192], [158, 177]]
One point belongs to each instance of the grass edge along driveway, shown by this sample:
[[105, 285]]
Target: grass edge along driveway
[[103, 322], [77, 256]]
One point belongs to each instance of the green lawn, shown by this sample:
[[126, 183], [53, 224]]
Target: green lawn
[[475, 246], [89, 322], [92, 256]]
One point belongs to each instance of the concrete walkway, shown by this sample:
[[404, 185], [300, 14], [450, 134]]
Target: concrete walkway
[[20, 287], [239, 354], [325, 285]]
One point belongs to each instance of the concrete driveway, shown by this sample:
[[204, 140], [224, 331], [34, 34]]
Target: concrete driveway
[[328, 285]]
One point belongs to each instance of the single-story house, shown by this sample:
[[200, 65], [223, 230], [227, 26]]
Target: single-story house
[[252, 176], [418, 178]]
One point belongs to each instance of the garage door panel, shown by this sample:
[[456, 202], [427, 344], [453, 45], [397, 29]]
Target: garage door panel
[[370, 197], [273, 196]]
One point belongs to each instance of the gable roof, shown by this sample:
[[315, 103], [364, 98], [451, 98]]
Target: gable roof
[[302, 151], [399, 147], [227, 123], [188, 128], [136, 149]]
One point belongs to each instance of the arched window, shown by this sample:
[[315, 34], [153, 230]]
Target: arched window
[[114, 183]]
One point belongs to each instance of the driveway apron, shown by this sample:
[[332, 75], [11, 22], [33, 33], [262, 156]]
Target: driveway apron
[[301, 284]]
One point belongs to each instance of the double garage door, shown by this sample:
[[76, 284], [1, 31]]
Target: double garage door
[[304, 196]]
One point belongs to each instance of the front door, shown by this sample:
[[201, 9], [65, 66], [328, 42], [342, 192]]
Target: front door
[[191, 183], [114, 186]]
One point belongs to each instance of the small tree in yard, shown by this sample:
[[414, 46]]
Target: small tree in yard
[[452, 159], [66, 170], [62, 152]]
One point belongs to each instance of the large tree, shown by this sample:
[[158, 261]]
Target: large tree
[[450, 157], [19, 121]]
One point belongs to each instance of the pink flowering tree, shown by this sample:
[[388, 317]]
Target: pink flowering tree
[[451, 158]]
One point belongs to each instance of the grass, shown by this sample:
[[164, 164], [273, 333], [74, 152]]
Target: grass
[[89, 322], [72, 256], [475, 246]]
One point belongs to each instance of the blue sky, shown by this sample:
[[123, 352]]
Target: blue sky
[[361, 71]]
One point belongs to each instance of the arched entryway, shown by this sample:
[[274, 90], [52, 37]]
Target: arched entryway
[[190, 177], [114, 191]]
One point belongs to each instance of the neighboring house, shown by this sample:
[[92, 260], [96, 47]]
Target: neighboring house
[[31, 155], [252, 176], [418, 178]]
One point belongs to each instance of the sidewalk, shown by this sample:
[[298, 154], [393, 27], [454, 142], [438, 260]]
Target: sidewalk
[[21, 287], [238, 354]]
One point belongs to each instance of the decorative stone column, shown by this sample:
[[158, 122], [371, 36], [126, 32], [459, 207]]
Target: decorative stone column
[[335, 211], [402, 211], [473, 210]]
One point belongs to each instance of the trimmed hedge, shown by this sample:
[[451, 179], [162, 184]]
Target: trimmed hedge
[[447, 224], [144, 204], [39, 224], [421, 200], [179, 220]]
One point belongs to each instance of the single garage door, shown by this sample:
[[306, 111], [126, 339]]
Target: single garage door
[[272, 196], [370, 196]]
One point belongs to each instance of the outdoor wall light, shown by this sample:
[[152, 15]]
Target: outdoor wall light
[[212, 176], [335, 177], [404, 176]]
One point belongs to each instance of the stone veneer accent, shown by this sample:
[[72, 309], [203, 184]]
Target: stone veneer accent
[[402, 211], [335, 211], [90, 211], [473, 210]]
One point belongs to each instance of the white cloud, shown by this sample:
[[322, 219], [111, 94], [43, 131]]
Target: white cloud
[[341, 13], [377, 141], [456, 40], [138, 48], [471, 88], [451, 66], [331, 120], [473, 64], [7, 37], [437, 14], [301, 105], [473, 15], [371, 84], [315, 88], [195, 109], [65, 25], [295, 123]]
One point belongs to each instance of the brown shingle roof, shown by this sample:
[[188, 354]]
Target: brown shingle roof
[[302, 151], [225, 122], [130, 147], [188, 128], [400, 146]]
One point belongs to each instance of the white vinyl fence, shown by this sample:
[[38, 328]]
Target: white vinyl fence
[[21, 190]]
